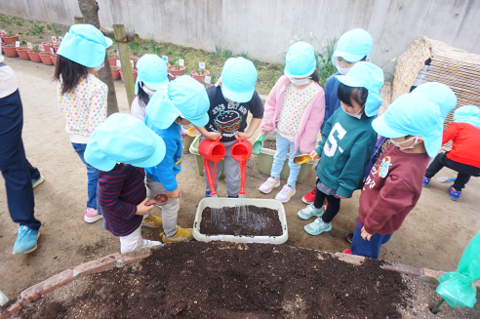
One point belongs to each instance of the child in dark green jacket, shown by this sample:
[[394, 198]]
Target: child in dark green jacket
[[347, 143]]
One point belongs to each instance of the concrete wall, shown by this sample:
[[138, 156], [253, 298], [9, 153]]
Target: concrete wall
[[265, 28]]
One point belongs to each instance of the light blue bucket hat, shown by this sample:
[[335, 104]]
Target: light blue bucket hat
[[369, 76], [413, 114], [124, 139], [441, 94], [152, 71], [239, 78], [184, 97], [353, 46], [300, 60], [85, 45], [469, 114]]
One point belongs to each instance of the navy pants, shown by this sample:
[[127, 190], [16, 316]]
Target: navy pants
[[15, 168], [362, 247]]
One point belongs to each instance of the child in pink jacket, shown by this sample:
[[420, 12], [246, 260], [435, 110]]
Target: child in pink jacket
[[295, 107]]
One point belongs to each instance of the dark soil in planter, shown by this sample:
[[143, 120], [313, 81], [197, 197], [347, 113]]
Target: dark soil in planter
[[229, 280], [253, 221], [270, 144]]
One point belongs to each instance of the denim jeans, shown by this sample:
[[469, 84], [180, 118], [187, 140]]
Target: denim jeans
[[362, 247], [92, 174], [279, 158]]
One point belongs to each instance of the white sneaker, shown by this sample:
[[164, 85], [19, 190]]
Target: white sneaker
[[285, 194], [270, 184]]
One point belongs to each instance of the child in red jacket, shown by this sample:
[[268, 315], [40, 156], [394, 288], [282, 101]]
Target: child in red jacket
[[464, 157], [414, 125]]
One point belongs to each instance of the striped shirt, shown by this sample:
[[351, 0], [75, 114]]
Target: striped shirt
[[119, 192]]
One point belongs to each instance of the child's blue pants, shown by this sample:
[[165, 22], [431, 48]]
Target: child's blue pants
[[367, 248]]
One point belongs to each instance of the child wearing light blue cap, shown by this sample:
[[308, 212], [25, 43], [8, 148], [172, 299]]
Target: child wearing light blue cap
[[116, 148], [464, 157], [231, 99], [352, 47], [183, 101], [294, 108], [414, 124], [152, 76], [347, 143], [82, 97]]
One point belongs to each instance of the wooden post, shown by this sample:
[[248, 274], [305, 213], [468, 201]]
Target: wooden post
[[78, 20], [124, 52]]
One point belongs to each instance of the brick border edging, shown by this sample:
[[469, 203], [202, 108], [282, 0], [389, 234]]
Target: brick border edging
[[119, 260]]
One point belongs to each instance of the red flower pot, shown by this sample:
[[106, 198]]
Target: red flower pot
[[54, 59], [134, 75], [174, 72], [46, 58], [10, 40], [35, 57], [115, 72], [47, 47], [112, 59], [22, 53], [200, 78], [10, 52]]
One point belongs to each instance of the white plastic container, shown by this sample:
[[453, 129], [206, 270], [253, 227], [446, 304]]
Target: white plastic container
[[3, 298], [232, 202]]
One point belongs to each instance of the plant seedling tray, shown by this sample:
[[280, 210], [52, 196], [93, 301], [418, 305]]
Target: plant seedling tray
[[232, 202]]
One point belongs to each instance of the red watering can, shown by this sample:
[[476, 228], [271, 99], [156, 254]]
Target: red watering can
[[241, 151], [213, 151]]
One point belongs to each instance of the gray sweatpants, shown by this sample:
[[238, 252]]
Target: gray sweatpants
[[231, 171], [169, 210]]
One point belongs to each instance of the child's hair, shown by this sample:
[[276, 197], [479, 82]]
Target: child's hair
[[346, 94], [314, 76], [143, 96], [70, 71]]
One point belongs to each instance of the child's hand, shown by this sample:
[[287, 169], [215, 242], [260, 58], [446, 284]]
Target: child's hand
[[212, 135], [243, 135], [314, 155], [174, 194], [365, 235], [142, 208]]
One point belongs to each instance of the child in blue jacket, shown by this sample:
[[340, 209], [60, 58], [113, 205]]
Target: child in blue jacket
[[182, 102]]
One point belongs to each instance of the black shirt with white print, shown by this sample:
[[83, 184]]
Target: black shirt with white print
[[229, 118]]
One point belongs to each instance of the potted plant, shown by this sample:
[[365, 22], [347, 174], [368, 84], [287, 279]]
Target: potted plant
[[46, 58], [9, 37], [199, 74], [10, 50], [34, 54], [115, 72], [134, 71], [54, 59], [47, 46], [176, 70], [22, 53], [112, 59]]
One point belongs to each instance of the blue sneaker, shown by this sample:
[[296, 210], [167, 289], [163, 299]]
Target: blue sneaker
[[38, 181], [309, 212], [236, 196], [454, 194], [26, 240], [207, 194], [317, 227], [426, 181]]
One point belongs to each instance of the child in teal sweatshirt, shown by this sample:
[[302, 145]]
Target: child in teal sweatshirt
[[347, 143]]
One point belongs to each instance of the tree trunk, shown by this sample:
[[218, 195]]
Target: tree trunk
[[89, 9]]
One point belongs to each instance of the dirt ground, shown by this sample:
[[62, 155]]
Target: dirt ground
[[434, 235]]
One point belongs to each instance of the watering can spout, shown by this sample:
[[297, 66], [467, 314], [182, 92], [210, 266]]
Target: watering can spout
[[211, 151]]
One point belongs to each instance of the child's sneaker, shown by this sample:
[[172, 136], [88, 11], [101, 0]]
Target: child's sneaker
[[38, 181], [310, 196], [285, 194], [349, 237], [182, 234], [152, 221], [91, 215], [426, 181], [347, 251], [309, 212], [454, 194], [317, 227], [26, 240], [270, 184], [207, 194], [236, 196]]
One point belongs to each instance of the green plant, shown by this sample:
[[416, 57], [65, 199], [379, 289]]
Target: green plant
[[19, 23], [6, 19], [177, 64], [227, 54], [199, 71], [255, 62], [212, 54], [35, 48], [213, 78], [325, 67], [40, 36], [24, 42], [37, 28], [244, 55], [54, 27], [9, 33], [133, 46], [49, 27]]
